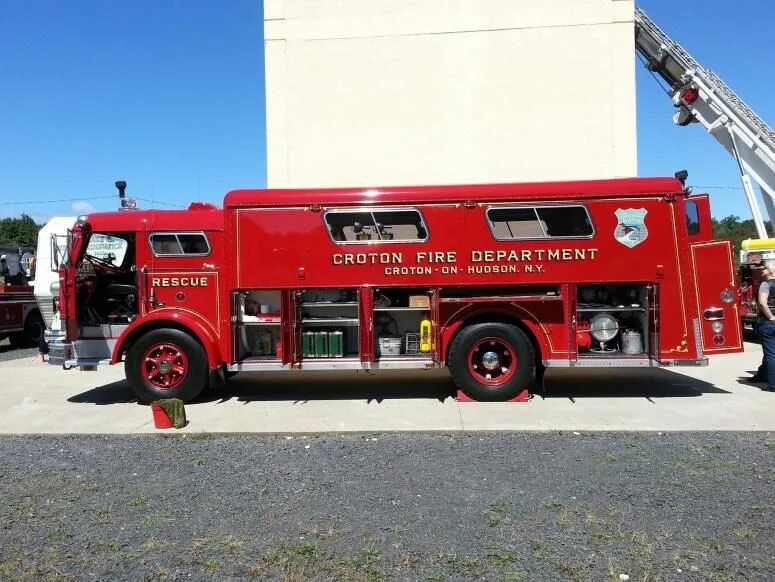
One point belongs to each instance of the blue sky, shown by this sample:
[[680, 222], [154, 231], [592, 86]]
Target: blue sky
[[168, 94]]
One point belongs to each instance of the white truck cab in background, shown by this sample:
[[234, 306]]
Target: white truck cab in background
[[52, 245]]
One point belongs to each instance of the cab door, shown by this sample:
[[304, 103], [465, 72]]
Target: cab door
[[716, 295]]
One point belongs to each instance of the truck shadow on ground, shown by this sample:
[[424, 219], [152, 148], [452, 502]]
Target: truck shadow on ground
[[310, 386]]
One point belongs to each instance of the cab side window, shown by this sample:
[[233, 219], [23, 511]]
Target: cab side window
[[176, 244], [692, 218]]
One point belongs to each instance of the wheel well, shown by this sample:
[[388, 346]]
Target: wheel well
[[154, 325], [499, 318]]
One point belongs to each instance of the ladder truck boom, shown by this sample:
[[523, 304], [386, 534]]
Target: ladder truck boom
[[701, 96]]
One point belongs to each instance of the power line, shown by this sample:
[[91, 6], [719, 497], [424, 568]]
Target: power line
[[56, 201]]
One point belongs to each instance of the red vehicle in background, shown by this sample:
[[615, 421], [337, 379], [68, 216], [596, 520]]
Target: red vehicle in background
[[496, 282], [20, 319]]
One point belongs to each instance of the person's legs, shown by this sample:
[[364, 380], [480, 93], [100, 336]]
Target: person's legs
[[42, 350], [767, 334]]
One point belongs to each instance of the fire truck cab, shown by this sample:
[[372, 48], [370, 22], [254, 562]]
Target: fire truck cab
[[496, 282]]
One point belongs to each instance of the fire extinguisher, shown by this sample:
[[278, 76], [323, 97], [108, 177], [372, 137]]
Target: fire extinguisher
[[425, 334]]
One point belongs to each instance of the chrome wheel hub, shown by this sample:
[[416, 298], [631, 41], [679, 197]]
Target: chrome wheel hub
[[490, 361]]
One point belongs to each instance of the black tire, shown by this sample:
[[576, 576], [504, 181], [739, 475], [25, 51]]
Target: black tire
[[185, 386], [16, 339], [34, 327], [473, 384]]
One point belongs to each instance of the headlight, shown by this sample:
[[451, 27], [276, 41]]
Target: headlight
[[717, 326], [54, 288], [727, 296]]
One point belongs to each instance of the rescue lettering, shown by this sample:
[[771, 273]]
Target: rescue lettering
[[179, 281]]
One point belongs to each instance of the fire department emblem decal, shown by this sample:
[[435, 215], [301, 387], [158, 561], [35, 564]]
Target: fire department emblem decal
[[631, 229]]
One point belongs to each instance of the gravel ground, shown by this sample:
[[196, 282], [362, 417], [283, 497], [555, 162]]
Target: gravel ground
[[536, 506]]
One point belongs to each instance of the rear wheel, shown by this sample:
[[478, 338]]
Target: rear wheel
[[166, 363], [34, 327], [492, 361]]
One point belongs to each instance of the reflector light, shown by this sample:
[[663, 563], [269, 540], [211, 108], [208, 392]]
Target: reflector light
[[718, 340], [727, 296], [717, 326], [690, 95]]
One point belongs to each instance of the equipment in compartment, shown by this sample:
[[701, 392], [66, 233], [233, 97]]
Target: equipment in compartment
[[411, 343], [603, 328], [322, 344], [611, 319], [389, 346]]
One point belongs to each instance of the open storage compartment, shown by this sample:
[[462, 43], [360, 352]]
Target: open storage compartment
[[612, 320], [403, 326], [329, 323], [258, 329]]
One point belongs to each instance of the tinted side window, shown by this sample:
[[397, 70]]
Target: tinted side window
[[179, 244], [376, 225], [692, 218], [525, 222]]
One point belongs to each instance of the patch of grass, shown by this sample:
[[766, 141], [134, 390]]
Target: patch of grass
[[408, 560], [639, 544], [515, 576], [306, 549], [540, 550], [58, 535], [496, 513], [108, 546], [501, 559], [553, 504], [435, 578], [611, 458], [712, 544], [321, 533], [211, 565], [152, 546], [198, 463], [770, 446], [745, 533], [398, 528], [155, 519], [139, 500], [371, 553], [273, 558], [565, 519], [102, 515]]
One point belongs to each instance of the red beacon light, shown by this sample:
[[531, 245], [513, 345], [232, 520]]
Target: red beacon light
[[690, 95]]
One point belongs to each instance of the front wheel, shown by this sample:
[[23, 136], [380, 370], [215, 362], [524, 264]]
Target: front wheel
[[166, 363], [492, 361]]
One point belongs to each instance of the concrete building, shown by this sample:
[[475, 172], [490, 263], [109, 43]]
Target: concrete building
[[392, 92]]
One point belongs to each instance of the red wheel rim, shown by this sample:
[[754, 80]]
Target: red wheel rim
[[492, 361], [164, 366]]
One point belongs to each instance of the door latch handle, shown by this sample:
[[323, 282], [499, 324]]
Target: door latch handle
[[209, 266]]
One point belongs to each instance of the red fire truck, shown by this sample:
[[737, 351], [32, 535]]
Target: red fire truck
[[496, 282]]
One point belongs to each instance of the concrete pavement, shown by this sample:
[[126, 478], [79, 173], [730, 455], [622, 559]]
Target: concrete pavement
[[36, 398]]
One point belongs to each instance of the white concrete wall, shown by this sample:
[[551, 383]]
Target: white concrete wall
[[393, 92]]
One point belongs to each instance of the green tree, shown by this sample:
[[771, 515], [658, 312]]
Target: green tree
[[22, 231]]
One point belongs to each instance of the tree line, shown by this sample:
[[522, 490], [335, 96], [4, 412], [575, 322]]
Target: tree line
[[23, 231], [19, 232]]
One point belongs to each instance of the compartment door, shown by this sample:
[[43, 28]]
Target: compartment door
[[435, 314], [291, 325], [652, 322], [714, 275], [570, 302], [366, 325]]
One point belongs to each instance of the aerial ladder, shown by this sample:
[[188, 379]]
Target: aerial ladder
[[700, 96]]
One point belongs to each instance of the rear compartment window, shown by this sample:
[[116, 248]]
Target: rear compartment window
[[376, 225], [527, 222], [173, 244]]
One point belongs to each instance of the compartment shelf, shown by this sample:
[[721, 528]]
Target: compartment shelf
[[259, 323], [402, 309], [329, 304], [612, 309], [331, 321]]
